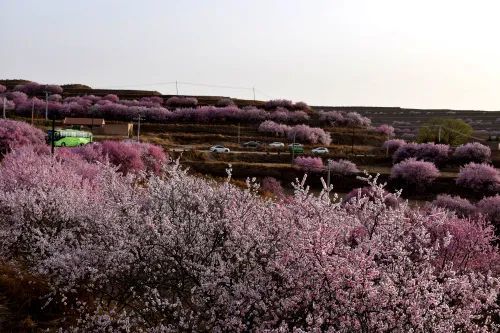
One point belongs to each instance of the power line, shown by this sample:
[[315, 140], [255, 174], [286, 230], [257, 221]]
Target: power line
[[454, 131], [142, 85], [263, 93], [198, 84], [215, 85]]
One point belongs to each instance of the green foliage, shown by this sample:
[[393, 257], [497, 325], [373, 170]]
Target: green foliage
[[453, 131]]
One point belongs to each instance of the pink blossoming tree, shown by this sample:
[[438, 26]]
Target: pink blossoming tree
[[178, 253], [479, 177]]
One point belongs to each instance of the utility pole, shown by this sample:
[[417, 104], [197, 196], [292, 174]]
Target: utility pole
[[32, 111], [328, 176], [293, 148], [387, 148], [176, 88], [253, 89], [92, 109], [238, 133], [46, 105], [352, 141], [139, 118], [4, 106], [52, 134]]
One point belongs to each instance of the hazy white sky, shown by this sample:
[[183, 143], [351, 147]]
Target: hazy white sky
[[422, 53]]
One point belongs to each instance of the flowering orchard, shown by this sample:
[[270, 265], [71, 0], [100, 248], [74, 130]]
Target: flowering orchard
[[171, 252], [301, 133], [27, 97]]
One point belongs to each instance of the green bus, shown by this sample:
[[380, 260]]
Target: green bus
[[69, 138]]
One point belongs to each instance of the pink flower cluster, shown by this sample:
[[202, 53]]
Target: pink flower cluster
[[181, 102], [304, 133], [273, 128], [309, 164], [343, 167], [472, 152], [286, 104], [462, 207], [130, 156], [488, 206], [273, 186], [344, 119], [393, 144], [414, 172], [301, 133], [15, 134], [369, 194], [479, 177], [430, 152], [385, 130], [173, 252], [34, 88]]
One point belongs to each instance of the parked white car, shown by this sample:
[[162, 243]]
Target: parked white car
[[320, 150], [277, 145], [219, 149]]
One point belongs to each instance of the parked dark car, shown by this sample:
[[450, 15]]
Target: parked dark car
[[251, 144]]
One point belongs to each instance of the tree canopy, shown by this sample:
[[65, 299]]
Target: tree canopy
[[453, 131]]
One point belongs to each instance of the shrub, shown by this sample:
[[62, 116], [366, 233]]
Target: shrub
[[304, 133], [271, 127], [413, 172], [152, 99], [309, 164], [343, 167], [430, 152], [302, 106], [34, 88], [275, 103], [15, 134], [332, 118], [346, 119], [472, 152], [490, 207], [462, 207], [408, 136], [111, 97], [128, 156], [272, 185], [392, 145], [17, 96], [181, 102], [385, 130], [354, 119], [479, 177], [225, 101], [2, 88], [55, 98]]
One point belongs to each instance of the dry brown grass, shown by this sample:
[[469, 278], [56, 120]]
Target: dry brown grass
[[22, 299]]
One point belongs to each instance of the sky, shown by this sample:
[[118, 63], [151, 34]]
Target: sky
[[422, 54]]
